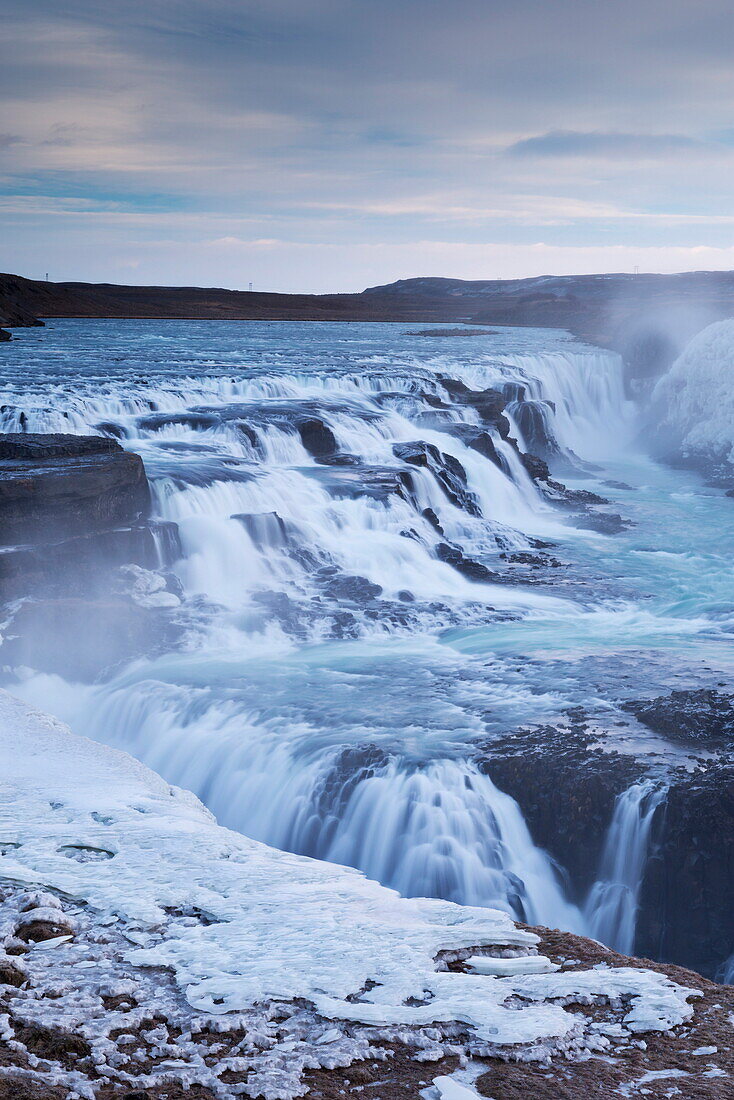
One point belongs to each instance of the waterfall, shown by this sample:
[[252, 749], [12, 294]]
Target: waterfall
[[611, 908], [312, 705]]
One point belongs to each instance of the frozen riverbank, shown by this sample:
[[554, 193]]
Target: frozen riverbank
[[128, 914]]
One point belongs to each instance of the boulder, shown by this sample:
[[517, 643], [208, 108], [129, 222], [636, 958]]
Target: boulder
[[4, 335], [60, 485], [317, 437]]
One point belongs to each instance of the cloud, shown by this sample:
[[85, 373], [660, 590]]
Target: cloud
[[366, 123], [573, 143]]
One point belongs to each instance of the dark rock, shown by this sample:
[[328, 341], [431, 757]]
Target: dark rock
[[54, 486], [81, 566], [341, 460], [489, 404], [702, 718], [566, 787], [109, 428], [430, 515], [533, 419], [447, 470], [619, 485], [606, 523], [479, 440], [317, 438], [354, 589], [378, 482], [473, 570], [561, 494], [4, 335], [40, 448], [687, 900], [536, 467]]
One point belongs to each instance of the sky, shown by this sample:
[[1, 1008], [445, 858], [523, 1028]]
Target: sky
[[329, 145]]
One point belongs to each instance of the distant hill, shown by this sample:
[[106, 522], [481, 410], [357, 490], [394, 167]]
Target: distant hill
[[644, 316]]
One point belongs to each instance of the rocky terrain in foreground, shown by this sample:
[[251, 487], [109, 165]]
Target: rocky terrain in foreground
[[148, 953]]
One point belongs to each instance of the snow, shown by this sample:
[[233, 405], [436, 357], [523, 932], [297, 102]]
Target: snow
[[503, 968], [449, 1089], [241, 925], [696, 397]]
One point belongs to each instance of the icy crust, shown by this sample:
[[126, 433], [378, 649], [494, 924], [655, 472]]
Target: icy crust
[[245, 928], [696, 397]]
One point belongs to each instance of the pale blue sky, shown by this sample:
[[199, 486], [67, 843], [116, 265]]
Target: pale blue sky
[[336, 144]]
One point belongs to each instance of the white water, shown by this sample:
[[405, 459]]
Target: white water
[[332, 727], [611, 909]]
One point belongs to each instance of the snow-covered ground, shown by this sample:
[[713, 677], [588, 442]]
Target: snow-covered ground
[[310, 963]]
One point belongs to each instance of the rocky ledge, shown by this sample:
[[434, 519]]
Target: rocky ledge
[[570, 779], [148, 953], [54, 486]]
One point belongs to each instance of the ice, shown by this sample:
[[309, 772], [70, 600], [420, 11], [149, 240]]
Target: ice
[[503, 968], [696, 396], [449, 1089]]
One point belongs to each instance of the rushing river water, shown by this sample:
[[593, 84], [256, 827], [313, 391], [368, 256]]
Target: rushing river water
[[337, 671]]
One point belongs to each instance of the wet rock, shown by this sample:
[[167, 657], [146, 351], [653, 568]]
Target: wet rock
[[619, 485], [352, 588], [479, 440], [447, 470], [430, 515], [4, 335], [377, 482], [560, 494], [536, 467], [344, 459], [54, 486], [606, 523], [687, 899], [489, 404], [473, 570], [702, 718], [317, 438], [566, 787], [267, 530], [533, 419], [82, 566]]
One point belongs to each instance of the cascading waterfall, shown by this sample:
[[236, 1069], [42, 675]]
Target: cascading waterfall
[[611, 908], [295, 561]]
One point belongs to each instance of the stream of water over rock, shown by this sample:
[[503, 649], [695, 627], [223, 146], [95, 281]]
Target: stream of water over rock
[[339, 666]]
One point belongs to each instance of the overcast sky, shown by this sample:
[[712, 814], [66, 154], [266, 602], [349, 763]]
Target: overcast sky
[[336, 144]]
